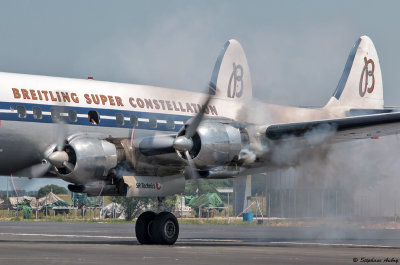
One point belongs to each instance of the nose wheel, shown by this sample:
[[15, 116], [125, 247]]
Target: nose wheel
[[161, 229]]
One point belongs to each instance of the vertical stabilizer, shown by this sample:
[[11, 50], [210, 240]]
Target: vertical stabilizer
[[231, 75], [361, 83]]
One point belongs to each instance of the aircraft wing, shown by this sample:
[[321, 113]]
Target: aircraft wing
[[338, 130]]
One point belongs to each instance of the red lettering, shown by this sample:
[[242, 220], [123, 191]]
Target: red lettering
[[132, 102], [189, 108], [175, 107], [111, 99], [213, 110], [39, 94], [33, 94], [58, 96], [75, 98], [65, 97], [95, 99], [88, 100], [156, 105], [140, 102], [119, 101], [182, 109], [25, 94], [103, 99], [45, 94], [16, 93], [194, 107], [148, 102], [169, 106], [162, 104], [52, 97]]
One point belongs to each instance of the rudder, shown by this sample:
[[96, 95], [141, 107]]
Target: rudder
[[231, 75], [360, 85]]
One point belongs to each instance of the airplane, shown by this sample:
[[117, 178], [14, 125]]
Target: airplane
[[144, 141]]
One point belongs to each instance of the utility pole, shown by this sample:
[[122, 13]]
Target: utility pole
[[7, 186]]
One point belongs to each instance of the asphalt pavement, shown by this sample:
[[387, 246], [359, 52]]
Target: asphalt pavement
[[115, 243]]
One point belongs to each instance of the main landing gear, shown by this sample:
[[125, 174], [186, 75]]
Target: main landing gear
[[152, 228]]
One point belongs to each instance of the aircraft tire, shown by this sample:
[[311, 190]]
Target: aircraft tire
[[143, 228], [165, 229]]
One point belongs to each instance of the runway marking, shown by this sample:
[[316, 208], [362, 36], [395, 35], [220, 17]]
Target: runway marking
[[116, 237], [331, 244], [211, 240], [70, 236]]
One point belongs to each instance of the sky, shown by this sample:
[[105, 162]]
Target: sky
[[296, 50]]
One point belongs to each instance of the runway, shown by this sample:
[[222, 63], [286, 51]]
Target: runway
[[115, 243]]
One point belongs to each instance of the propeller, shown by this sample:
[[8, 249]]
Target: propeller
[[57, 157], [184, 143], [166, 144]]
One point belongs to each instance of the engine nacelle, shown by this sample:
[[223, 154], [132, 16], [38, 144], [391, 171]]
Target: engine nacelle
[[216, 144], [91, 158]]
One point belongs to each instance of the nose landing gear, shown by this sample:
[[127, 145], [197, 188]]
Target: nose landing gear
[[161, 229]]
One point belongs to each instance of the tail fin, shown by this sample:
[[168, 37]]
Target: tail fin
[[231, 74], [361, 83]]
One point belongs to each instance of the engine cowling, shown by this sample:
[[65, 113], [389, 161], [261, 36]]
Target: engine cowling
[[215, 144], [91, 159]]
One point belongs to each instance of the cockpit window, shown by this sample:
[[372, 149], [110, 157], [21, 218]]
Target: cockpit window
[[94, 117], [21, 112], [37, 113]]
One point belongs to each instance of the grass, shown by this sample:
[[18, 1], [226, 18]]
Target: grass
[[332, 222]]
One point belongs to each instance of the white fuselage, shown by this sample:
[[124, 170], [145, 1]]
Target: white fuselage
[[24, 137]]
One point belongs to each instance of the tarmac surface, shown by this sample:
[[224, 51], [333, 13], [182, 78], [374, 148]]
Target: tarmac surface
[[115, 243]]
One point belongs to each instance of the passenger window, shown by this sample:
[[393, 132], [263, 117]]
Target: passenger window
[[94, 117], [153, 122], [55, 114], [72, 116], [134, 120], [120, 119], [37, 113], [170, 124], [21, 112]]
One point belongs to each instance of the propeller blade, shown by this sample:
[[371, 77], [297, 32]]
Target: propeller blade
[[193, 172], [195, 122], [35, 171], [69, 166], [60, 134], [157, 145]]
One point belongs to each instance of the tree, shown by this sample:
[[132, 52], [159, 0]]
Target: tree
[[135, 206], [203, 186], [43, 191]]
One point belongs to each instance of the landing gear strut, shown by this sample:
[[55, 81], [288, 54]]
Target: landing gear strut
[[152, 228]]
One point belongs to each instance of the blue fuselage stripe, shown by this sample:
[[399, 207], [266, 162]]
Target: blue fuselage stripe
[[85, 121]]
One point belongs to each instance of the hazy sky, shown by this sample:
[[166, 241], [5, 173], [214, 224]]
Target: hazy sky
[[296, 49]]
